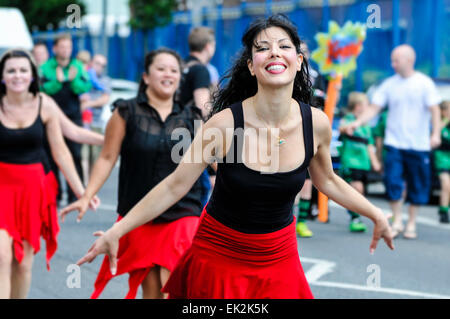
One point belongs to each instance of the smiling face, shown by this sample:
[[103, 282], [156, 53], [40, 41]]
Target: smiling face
[[17, 74], [163, 75], [275, 60]]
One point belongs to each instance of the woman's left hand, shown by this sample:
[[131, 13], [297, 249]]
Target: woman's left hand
[[94, 203]]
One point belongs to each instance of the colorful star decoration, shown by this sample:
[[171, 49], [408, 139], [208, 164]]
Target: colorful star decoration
[[339, 48]]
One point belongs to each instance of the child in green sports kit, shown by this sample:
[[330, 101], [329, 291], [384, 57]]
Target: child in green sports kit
[[378, 132], [442, 162], [302, 208], [357, 153]]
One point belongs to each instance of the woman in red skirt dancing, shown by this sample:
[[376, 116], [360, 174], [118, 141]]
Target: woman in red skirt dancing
[[245, 245], [25, 117], [140, 131]]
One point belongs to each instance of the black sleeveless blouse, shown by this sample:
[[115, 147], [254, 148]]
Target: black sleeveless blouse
[[146, 154], [253, 202]]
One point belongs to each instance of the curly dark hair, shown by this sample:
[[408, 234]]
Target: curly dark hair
[[238, 84]]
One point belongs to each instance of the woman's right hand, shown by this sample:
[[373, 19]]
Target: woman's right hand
[[81, 205], [108, 244]]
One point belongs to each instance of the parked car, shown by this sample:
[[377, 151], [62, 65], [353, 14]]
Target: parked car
[[17, 34]]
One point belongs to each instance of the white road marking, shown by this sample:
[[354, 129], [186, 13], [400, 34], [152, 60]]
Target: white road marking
[[108, 207], [322, 267]]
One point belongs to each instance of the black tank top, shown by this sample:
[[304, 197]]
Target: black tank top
[[250, 201], [24, 145]]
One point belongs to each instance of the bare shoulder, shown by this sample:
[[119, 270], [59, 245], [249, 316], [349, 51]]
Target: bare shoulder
[[49, 107], [321, 125], [220, 128], [320, 120], [222, 120]]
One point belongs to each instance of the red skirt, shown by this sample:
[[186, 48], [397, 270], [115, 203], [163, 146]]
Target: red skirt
[[149, 245], [28, 207], [223, 263]]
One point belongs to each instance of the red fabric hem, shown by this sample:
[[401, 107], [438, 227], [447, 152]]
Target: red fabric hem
[[223, 263], [28, 205], [149, 245]]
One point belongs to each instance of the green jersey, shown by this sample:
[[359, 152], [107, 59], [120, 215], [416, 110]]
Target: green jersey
[[354, 151], [79, 85], [380, 127], [442, 154]]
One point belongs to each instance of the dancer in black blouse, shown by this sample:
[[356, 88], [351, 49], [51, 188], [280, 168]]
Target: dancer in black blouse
[[140, 131]]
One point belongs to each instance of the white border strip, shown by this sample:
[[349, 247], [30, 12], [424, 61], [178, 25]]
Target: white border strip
[[379, 290]]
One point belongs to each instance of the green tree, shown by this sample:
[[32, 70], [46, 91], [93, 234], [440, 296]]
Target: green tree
[[148, 15], [41, 13]]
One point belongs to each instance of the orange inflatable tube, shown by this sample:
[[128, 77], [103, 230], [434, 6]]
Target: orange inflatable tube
[[334, 86]]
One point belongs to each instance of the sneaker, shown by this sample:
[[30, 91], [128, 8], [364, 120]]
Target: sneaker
[[303, 230], [443, 218], [357, 226]]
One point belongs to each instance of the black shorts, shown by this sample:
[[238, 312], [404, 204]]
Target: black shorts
[[355, 175]]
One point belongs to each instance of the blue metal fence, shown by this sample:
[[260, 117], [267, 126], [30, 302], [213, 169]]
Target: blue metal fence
[[423, 24]]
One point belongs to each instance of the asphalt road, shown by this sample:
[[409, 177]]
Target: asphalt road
[[337, 263]]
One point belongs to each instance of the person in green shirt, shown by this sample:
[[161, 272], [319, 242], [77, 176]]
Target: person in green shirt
[[442, 162], [65, 79], [357, 153], [378, 132]]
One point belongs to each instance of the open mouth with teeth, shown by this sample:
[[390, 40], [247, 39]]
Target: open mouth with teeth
[[167, 83], [276, 68]]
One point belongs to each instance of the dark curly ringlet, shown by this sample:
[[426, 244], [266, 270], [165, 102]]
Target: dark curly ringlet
[[18, 53], [240, 84], [150, 57]]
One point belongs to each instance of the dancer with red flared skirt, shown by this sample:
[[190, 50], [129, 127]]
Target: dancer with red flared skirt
[[140, 131], [27, 210], [265, 137]]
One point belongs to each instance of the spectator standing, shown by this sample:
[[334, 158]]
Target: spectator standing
[[94, 102], [357, 154], [64, 79], [442, 162], [413, 103], [196, 86]]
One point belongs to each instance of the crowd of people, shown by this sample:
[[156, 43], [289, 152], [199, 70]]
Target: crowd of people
[[220, 223]]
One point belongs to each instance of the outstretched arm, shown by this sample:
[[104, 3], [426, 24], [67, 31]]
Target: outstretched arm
[[115, 133], [326, 181], [164, 195], [59, 149], [77, 133], [435, 139], [369, 114], [173, 187]]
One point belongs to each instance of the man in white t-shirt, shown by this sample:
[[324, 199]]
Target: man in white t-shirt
[[412, 130]]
